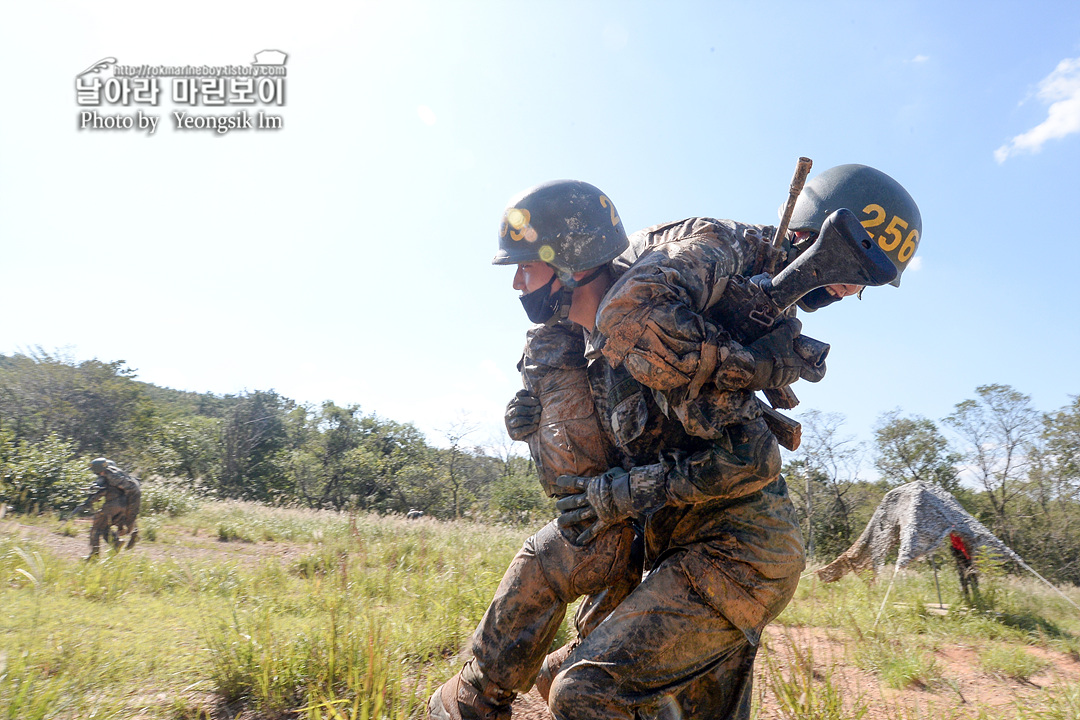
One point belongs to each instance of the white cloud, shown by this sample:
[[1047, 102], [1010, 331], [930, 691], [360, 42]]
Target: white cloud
[[920, 58], [1061, 91]]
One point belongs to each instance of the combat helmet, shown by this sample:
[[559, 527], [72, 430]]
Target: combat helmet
[[884, 207], [98, 464], [567, 224]]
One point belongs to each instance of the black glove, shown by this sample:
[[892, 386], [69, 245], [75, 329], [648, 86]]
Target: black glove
[[609, 498], [522, 415]]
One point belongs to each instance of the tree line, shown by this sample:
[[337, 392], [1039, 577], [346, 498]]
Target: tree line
[[56, 414], [1013, 467]]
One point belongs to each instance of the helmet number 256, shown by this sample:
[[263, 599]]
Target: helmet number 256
[[893, 234]]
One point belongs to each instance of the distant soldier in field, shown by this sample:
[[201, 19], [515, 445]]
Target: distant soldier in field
[[122, 497]]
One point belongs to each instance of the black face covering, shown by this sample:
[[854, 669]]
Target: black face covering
[[541, 305], [817, 299]]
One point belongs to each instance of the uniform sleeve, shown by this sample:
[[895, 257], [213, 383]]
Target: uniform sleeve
[[654, 322], [653, 318], [747, 460], [570, 440], [94, 493], [741, 463]]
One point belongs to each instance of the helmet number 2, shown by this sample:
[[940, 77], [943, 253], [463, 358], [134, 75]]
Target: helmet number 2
[[604, 202], [893, 236]]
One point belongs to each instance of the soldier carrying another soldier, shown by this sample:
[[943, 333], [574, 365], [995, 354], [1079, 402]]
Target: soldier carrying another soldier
[[672, 378], [122, 497]]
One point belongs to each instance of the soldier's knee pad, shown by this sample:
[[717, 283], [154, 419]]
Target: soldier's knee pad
[[576, 570]]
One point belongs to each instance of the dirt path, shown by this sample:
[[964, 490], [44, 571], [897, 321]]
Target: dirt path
[[963, 689]]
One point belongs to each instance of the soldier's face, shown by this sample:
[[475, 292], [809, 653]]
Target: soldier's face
[[842, 291], [532, 276]]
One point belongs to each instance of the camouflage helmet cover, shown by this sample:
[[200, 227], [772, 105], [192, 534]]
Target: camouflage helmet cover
[[567, 224], [884, 207]]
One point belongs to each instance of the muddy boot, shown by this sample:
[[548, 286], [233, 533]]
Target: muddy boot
[[134, 538], [552, 665], [458, 700]]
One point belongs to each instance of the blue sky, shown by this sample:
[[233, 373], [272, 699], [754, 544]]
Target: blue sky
[[347, 256]]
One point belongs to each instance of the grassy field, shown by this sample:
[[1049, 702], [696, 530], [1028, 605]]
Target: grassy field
[[236, 610]]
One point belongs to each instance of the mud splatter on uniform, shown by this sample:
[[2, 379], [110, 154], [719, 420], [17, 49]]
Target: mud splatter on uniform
[[122, 499], [725, 551], [550, 570]]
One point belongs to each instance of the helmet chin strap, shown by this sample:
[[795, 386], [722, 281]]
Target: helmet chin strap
[[562, 307], [566, 292]]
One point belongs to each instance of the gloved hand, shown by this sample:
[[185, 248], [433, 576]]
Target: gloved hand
[[522, 415], [609, 498], [768, 362]]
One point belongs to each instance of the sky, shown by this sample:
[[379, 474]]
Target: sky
[[346, 256]]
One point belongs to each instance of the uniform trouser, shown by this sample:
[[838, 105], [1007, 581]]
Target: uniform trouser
[[547, 574], [121, 512], [664, 652]]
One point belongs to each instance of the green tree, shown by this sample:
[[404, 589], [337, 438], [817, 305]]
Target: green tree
[[823, 478], [253, 437], [340, 458], [1050, 536], [516, 496], [1000, 430], [97, 405], [455, 460], [912, 448], [187, 447]]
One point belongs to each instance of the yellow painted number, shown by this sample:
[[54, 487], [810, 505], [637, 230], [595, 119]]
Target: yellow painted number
[[879, 216], [896, 234], [519, 223], [608, 204], [909, 246], [893, 236]]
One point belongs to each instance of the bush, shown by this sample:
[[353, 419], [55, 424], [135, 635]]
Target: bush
[[170, 497], [39, 476], [519, 499]]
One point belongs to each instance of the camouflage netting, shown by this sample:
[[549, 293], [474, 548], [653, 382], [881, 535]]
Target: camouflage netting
[[918, 517]]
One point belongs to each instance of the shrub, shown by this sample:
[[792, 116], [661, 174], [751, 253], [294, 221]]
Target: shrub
[[38, 476], [170, 497]]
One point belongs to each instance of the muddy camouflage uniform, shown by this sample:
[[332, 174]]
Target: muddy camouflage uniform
[[551, 570], [724, 551], [121, 508]]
